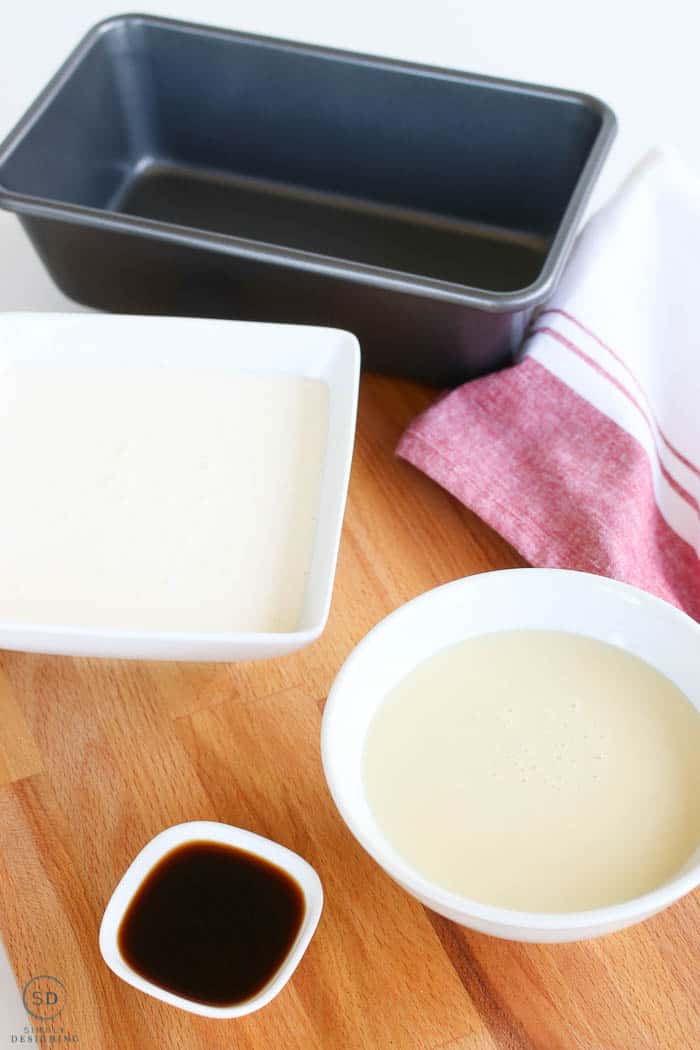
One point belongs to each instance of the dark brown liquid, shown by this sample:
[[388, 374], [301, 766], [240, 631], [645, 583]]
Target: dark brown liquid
[[212, 923]]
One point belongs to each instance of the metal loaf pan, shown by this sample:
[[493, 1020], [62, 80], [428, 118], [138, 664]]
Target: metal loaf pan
[[176, 169]]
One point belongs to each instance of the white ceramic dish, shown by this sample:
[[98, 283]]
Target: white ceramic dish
[[210, 831], [91, 341], [545, 599]]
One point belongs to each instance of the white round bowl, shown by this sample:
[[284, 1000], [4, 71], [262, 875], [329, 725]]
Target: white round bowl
[[536, 599]]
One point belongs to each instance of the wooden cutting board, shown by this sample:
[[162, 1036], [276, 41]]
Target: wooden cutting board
[[97, 757]]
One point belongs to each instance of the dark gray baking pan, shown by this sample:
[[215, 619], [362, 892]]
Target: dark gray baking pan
[[176, 169]]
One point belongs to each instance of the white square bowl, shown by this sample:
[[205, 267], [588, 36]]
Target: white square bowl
[[91, 341], [210, 831]]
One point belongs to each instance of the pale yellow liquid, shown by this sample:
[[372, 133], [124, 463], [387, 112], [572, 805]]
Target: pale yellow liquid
[[143, 498], [537, 770]]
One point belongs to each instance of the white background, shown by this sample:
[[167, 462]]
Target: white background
[[640, 57]]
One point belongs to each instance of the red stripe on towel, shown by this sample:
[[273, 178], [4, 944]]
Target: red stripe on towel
[[623, 364], [566, 486], [668, 477]]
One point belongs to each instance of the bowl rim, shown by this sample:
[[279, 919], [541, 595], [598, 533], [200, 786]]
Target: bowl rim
[[172, 838], [446, 900]]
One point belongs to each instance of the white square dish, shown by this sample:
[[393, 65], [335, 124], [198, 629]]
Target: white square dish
[[210, 831], [81, 343]]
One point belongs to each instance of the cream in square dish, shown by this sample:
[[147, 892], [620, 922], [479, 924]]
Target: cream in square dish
[[172, 488]]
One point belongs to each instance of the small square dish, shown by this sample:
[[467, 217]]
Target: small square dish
[[208, 913], [174, 488]]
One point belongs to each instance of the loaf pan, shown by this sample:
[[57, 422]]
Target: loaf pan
[[177, 169]]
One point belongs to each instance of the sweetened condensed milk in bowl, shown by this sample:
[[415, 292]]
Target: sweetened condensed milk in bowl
[[520, 750]]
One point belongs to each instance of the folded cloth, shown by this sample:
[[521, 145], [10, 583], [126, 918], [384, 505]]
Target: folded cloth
[[586, 453]]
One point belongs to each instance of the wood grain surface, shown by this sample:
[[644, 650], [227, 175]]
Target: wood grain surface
[[97, 757]]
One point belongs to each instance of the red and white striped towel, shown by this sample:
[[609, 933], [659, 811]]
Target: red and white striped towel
[[586, 454]]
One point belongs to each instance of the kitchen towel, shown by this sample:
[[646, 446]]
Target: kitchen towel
[[586, 453]]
